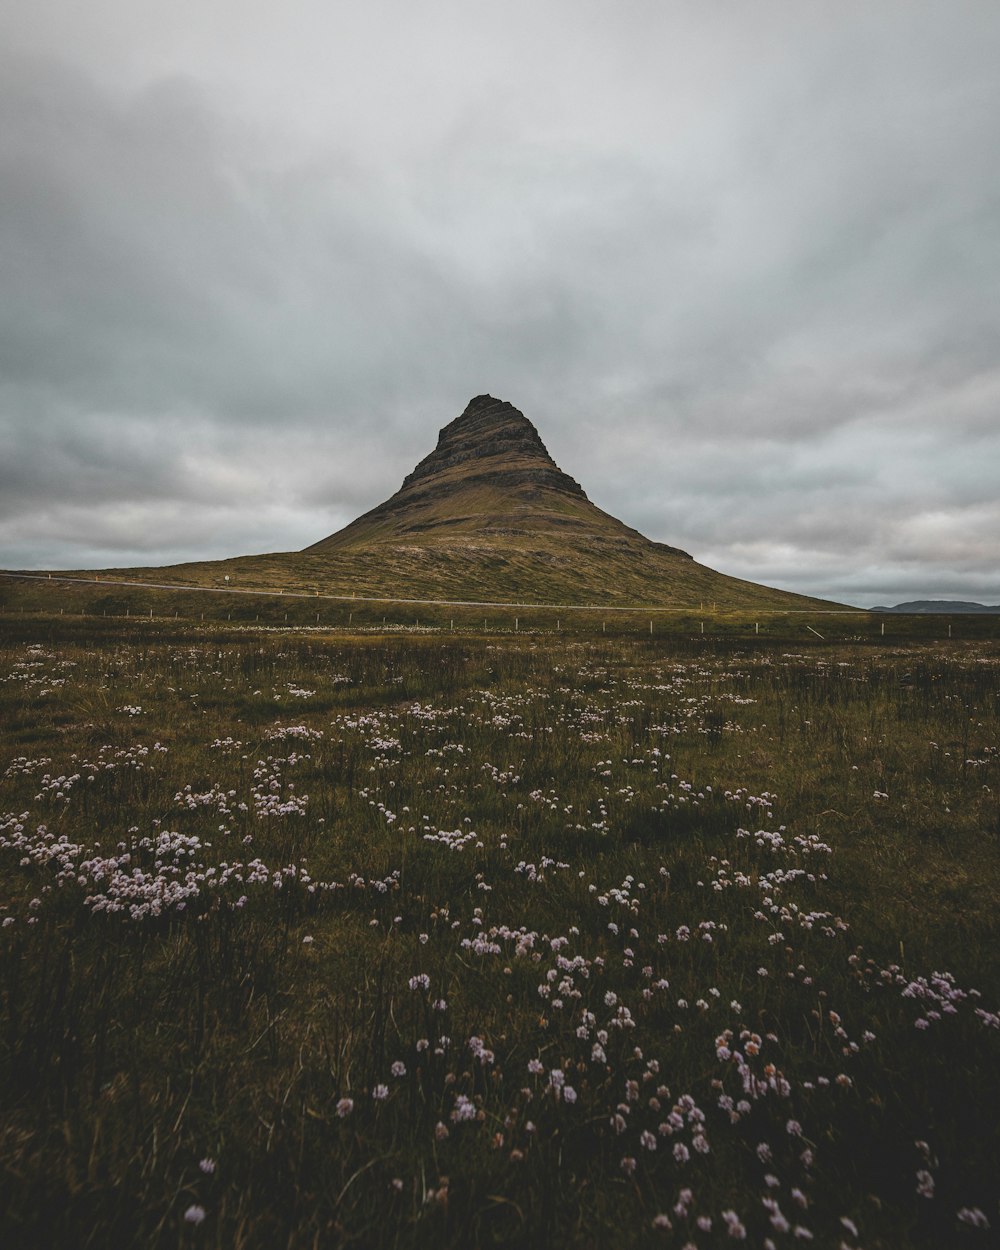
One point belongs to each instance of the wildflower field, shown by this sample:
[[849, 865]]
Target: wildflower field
[[453, 940]]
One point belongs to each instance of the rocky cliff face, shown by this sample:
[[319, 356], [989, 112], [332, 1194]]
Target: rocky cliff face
[[491, 442]]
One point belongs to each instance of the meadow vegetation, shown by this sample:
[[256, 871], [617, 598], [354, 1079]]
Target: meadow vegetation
[[460, 938]]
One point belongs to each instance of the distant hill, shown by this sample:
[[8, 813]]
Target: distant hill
[[944, 606]]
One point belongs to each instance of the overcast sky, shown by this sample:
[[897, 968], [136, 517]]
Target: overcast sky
[[738, 262]]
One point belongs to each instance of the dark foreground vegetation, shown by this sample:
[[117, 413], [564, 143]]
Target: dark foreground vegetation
[[471, 939]]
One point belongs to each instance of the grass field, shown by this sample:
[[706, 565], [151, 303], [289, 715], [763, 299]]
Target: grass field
[[465, 937]]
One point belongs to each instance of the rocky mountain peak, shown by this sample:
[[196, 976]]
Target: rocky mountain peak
[[494, 439]]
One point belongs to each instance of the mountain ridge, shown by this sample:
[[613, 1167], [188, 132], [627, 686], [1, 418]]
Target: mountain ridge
[[943, 607]]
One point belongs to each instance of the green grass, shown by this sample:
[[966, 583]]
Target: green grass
[[621, 792]]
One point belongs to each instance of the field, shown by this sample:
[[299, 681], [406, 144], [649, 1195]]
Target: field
[[449, 937]]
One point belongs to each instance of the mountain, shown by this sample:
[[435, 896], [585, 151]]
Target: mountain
[[488, 514], [488, 517], [944, 606], [489, 482]]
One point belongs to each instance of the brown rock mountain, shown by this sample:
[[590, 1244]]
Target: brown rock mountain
[[490, 515], [490, 476]]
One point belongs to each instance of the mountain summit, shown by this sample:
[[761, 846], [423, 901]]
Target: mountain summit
[[491, 442], [490, 477], [489, 515]]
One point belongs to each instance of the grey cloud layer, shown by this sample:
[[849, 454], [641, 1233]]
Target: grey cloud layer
[[740, 269]]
